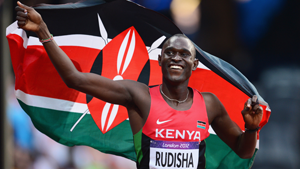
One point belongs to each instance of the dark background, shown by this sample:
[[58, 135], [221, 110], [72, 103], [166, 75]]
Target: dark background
[[259, 37]]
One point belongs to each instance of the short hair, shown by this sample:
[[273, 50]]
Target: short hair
[[176, 35]]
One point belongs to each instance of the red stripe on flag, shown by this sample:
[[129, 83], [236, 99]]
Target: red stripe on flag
[[231, 97], [155, 73], [38, 73], [17, 51]]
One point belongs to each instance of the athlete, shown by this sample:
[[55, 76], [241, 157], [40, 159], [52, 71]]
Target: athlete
[[169, 121]]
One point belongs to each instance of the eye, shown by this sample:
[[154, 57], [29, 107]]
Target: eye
[[185, 54], [169, 53]]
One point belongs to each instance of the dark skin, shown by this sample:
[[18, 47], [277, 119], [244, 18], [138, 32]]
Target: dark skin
[[177, 62]]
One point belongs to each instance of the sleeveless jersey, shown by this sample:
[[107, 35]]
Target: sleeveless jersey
[[172, 138]]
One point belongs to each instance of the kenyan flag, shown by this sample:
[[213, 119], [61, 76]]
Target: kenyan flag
[[119, 40]]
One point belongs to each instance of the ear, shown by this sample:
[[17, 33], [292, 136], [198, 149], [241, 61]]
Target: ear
[[159, 60], [195, 64]]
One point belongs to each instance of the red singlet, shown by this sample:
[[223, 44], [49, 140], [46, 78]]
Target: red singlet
[[171, 138]]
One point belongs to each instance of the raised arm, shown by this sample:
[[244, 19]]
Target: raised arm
[[117, 92], [242, 143]]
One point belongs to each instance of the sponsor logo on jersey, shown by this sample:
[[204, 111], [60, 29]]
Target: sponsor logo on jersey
[[161, 122]]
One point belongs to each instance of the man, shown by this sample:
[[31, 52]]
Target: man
[[160, 117]]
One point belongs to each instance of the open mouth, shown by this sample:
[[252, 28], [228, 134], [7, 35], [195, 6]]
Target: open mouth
[[176, 67]]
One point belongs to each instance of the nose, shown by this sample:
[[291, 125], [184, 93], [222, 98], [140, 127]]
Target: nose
[[176, 57]]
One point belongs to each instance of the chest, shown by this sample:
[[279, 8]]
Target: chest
[[173, 125]]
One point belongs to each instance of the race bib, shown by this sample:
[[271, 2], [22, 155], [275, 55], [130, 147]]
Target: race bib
[[173, 154]]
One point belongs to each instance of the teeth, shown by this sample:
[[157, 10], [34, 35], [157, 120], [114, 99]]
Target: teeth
[[175, 67]]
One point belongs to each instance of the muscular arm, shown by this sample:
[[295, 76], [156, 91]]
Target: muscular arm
[[98, 86], [242, 143]]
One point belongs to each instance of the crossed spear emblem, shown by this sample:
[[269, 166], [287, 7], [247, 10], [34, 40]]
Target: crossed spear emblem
[[120, 64]]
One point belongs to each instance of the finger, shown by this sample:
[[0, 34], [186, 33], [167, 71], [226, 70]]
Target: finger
[[247, 106], [21, 5], [21, 18], [248, 103], [21, 24], [25, 7], [17, 8], [254, 100], [22, 14], [20, 10], [257, 109]]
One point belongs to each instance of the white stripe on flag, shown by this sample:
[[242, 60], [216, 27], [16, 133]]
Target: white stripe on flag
[[211, 130], [87, 41], [94, 42], [50, 103]]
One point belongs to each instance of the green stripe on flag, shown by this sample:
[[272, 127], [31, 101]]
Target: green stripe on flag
[[138, 145], [220, 156], [57, 125]]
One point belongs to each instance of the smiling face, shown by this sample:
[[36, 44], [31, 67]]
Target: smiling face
[[177, 59]]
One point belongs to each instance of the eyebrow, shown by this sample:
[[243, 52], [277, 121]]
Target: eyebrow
[[182, 49]]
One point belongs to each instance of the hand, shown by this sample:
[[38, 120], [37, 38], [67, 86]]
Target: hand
[[252, 113], [28, 19]]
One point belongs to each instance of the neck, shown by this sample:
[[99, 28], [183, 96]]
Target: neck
[[175, 91]]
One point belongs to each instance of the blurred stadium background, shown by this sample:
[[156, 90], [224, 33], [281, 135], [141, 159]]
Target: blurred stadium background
[[259, 37]]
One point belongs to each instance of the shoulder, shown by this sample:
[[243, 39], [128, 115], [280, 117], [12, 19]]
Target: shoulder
[[133, 83], [209, 98], [214, 107], [135, 87], [139, 92], [139, 106]]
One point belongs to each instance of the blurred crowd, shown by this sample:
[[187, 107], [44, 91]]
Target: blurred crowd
[[259, 37]]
